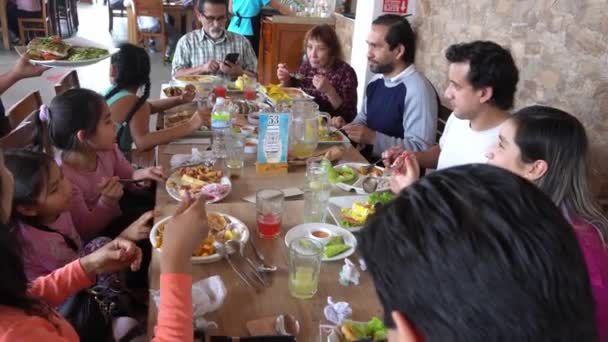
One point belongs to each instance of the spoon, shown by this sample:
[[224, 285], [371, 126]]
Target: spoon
[[240, 246], [370, 184], [287, 325], [222, 251]]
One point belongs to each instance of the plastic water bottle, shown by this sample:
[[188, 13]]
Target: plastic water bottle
[[220, 127]]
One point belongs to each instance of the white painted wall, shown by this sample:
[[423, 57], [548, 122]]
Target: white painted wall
[[367, 11]]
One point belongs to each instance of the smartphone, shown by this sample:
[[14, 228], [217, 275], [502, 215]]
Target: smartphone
[[232, 58]]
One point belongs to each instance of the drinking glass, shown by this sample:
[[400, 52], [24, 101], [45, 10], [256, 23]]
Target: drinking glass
[[235, 149], [304, 267], [269, 212], [317, 191]]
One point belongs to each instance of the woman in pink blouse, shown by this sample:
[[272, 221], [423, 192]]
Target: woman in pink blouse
[[324, 74], [549, 147]]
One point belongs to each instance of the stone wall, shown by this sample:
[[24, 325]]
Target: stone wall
[[560, 47]]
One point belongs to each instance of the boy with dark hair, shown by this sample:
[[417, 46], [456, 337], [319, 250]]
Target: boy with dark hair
[[482, 83], [476, 253]]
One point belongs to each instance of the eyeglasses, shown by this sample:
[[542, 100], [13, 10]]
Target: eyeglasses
[[218, 19]]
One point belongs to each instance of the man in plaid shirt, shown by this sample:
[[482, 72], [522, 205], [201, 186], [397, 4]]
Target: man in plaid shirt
[[204, 51]]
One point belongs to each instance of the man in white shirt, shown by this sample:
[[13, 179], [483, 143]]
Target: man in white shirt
[[482, 83]]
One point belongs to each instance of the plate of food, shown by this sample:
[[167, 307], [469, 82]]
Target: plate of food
[[222, 228], [335, 136], [70, 53], [197, 79], [275, 93], [351, 212], [246, 107], [338, 243], [350, 177], [196, 180]]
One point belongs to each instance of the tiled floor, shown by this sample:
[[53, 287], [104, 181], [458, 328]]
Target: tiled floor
[[93, 26]]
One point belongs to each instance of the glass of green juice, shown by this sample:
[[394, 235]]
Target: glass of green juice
[[304, 266]]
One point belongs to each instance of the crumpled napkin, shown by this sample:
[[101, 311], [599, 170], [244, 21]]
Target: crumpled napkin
[[349, 273], [196, 157], [337, 312], [207, 296]]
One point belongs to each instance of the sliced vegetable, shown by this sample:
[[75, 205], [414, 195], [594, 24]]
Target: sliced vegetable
[[333, 250]]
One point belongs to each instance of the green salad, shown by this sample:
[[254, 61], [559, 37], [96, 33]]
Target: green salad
[[344, 174], [84, 53]]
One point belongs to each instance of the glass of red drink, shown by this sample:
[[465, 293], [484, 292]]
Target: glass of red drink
[[249, 93], [269, 211], [220, 91]]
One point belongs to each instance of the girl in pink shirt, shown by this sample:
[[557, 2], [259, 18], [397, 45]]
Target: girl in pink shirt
[[41, 214], [79, 125], [26, 312], [550, 148]]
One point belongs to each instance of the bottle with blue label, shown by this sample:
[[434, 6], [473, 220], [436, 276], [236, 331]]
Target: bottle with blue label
[[220, 127]]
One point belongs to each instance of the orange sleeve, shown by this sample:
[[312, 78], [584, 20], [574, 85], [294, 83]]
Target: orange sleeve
[[175, 311], [35, 329], [56, 287]]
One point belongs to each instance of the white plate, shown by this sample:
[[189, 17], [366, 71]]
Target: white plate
[[343, 141], [340, 202], [200, 80], [175, 193], [356, 186], [203, 259], [302, 230], [302, 96], [81, 42]]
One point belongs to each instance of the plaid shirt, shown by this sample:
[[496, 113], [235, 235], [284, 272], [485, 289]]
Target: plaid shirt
[[196, 48]]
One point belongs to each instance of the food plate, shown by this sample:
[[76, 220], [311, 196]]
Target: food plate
[[246, 107], [75, 42], [335, 137], [289, 94], [303, 230], [357, 185], [184, 80], [235, 225], [336, 204], [197, 179]]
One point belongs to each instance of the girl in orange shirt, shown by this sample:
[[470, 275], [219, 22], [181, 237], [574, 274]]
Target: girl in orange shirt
[[26, 312]]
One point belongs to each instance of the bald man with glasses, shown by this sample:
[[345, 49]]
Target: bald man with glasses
[[203, 52]]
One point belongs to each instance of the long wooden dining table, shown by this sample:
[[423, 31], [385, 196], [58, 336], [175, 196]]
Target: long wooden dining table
[[242, 303]]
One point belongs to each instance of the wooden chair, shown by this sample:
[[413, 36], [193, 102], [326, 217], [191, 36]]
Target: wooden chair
[[19, 137], [442, 119], [115, 10], [151, 8], [23, 108], [64, 10], [67, 82], [4, 26], [35, 25]]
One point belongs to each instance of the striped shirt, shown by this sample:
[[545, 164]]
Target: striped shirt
[[196, 48]]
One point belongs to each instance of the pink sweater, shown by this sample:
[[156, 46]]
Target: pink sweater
[[596, 258], [46, 251], [174, 318], [89, 213]]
